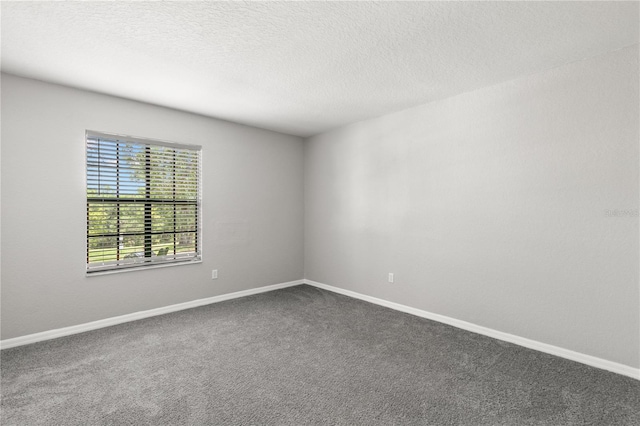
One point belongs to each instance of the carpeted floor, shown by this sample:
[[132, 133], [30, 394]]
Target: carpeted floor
[[302, 356]]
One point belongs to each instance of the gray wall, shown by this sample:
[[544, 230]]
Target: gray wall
[[491, 207], [252, 204]]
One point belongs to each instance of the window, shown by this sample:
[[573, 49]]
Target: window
[[143, 202]]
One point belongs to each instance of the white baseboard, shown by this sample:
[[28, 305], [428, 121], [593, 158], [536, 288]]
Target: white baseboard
[[603, 364], [93, 325]]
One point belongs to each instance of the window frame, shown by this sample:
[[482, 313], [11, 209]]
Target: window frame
[[148, 261]]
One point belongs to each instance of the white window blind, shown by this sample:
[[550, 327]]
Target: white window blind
[[143, 202]]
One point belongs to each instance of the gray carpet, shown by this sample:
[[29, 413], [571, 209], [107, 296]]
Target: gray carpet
[[302, 356]]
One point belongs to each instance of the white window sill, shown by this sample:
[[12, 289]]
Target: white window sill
[[141, 268]]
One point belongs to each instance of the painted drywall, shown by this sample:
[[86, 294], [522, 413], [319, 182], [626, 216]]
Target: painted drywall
[[252, 208], [513, 207]]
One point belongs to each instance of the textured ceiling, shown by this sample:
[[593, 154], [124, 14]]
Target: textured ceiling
[[302, 68]]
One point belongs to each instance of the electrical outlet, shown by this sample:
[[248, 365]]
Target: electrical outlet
[[390, 277], [214, 274]]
